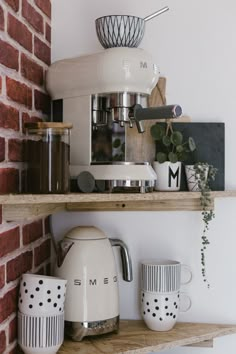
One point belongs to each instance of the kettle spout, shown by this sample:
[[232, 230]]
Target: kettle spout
[[125, 259]]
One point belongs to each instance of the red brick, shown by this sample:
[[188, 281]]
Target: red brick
[[9, 180], [42, 102], [36, 119], [48, 33], [26, 119], [9, 241], [8, 304], [45, 6], [2, 276], [19, 265], [19, 32], [9, 117], [1, 19], [42, 252], [14, 4], [15, 150], [19, 92], [2, 149], [32, 232], [31, 70], [32, 16], [9, 56], [13, 330], [2, 341], [42, 50], [0, 84]]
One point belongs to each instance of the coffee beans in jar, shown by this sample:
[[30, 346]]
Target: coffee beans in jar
[[47, 153]]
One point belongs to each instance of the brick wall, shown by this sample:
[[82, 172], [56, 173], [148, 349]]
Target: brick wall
[[25, 35]]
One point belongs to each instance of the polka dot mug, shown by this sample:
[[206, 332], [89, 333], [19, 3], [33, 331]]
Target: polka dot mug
[[41, 295], [160, 311]]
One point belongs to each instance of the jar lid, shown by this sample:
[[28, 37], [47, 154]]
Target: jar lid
[[47, 125]]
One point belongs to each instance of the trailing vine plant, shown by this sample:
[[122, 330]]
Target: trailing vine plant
[[204, 173]]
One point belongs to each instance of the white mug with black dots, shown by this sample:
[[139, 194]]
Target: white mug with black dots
[[41, 313], [160, 311], [41, 295]]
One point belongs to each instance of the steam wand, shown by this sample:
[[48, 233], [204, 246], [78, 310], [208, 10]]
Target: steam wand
[[164, 112]]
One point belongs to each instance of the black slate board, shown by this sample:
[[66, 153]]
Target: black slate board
[[210, 142]]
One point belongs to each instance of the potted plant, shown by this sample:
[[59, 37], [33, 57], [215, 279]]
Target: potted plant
[[172, 150], [199, 177]]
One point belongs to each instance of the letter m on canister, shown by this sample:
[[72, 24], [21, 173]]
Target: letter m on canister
[[173, 176]]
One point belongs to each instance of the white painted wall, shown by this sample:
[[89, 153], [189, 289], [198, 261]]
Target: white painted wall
[[194, 45]]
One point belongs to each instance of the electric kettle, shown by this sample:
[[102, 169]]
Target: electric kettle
[[86, 261]]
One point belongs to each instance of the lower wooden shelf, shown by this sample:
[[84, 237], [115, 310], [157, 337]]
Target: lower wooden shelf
[[134, 337], [25, 206]]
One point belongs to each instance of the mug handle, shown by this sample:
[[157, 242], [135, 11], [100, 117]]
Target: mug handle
[[188, 302], [188, 270]]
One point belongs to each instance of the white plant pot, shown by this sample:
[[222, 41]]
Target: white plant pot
[[168, 175], [193, 178]]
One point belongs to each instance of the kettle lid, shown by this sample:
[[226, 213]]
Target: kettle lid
[[85, 233]]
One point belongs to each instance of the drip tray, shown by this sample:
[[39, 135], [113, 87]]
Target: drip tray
[[122, 186], [115, 186], [114, 177]]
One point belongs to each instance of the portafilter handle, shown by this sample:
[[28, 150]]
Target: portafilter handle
[[164, 112], [125, 258]]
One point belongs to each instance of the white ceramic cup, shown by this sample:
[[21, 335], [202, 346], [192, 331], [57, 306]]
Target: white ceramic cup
[[41, 295], [168, 175], [40, 334], [164, 275], [160, 311]]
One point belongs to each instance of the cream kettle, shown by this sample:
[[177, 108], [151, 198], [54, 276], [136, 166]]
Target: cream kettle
[[86, 261]]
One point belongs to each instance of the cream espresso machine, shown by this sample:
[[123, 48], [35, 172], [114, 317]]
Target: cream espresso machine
[[103, 95]]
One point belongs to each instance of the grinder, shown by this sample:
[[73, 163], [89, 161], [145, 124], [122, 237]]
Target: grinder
[[103, 95]]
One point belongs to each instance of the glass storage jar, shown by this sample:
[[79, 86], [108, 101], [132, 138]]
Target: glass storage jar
[[47, 153]]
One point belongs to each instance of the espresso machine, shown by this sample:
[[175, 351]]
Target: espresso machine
[[102, 95]]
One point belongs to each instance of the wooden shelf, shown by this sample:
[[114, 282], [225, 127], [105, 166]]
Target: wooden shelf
[[134, 337], [24, 206]]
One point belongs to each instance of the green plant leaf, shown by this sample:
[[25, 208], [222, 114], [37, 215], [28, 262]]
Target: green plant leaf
[[176, 138], [157, 131], [166, 140], [172, 157], [161, 157], [179, 148], [191, 144], [116, 143]]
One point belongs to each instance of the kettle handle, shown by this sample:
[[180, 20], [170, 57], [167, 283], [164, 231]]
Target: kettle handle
[[125, 258]]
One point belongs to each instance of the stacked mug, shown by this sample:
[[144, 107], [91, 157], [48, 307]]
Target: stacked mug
[[41, 313], [160, 293]]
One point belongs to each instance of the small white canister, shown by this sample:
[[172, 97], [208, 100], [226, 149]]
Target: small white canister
[[168, 175]]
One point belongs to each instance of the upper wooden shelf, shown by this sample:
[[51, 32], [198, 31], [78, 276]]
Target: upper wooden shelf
[[134, 337], [23, 206]]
